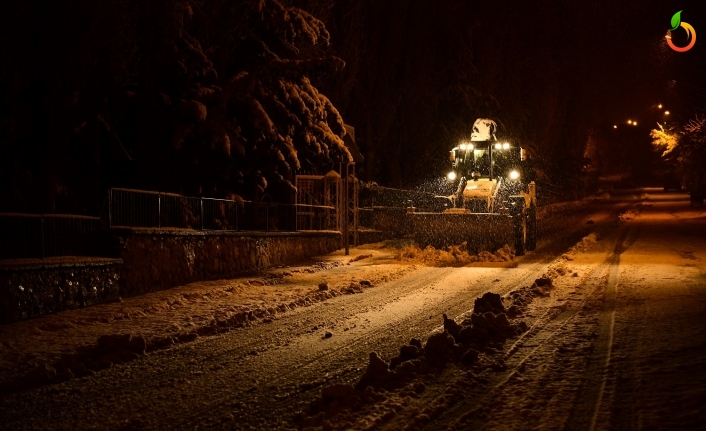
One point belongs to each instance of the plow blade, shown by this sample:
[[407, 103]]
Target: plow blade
[[481, 231]]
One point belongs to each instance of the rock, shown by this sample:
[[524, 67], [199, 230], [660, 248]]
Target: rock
[[415, 342], [366, 283], [323, 286], [328, 334]]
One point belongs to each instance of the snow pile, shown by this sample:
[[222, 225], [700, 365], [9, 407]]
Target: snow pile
[[360, 257], [520, 298], [99, 337], [560, 208], [453, 255], [629, 214], [317, 267], [462, 343], [110, 350], [635, 210], [586, 243]]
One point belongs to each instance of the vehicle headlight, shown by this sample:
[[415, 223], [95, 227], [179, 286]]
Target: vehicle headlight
[[514, 175], [506, 146], [451, 176]]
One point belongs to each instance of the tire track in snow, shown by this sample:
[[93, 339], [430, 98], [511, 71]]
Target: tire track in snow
[[545, 328], [586, 411], [335, 359]]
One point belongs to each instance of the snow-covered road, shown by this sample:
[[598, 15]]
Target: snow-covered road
[[619, 342]]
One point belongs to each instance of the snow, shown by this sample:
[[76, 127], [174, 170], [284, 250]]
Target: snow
[[606, 318]]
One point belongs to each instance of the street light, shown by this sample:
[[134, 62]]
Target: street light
[[615, 126], [659, 106], [666, 112], [634, 123], [629, 121]]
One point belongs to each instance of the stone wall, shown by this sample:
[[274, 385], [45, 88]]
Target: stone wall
[[34, 287], [158, 259], [146, 260]]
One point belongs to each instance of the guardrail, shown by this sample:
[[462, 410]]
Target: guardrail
[[45, 235], [50, 235], [139, 208]]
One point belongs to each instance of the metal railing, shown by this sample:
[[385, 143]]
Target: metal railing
[[139, 208], [45, 235]]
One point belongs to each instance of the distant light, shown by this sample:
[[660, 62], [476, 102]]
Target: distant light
[[514, 175], [666, 112], [659, 106], [506, 146], [462, 147], [629, 121], [615, 126], [451, 176], [469, 146], [634, 123], [498, 146]]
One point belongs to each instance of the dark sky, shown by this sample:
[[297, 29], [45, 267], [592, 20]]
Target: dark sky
[[622, 58], [615, 51]]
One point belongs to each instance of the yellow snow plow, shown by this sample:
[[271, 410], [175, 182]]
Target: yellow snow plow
[[493, 205]]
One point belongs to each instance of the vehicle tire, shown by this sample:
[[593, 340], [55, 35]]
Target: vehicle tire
[[531, 243], [520, 222]]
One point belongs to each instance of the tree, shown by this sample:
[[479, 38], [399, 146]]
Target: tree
[[195, 96], [685, 147]]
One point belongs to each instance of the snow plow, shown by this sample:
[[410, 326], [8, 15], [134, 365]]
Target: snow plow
[[493, 204]]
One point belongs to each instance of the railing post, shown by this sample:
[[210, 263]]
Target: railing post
[[159, 210], [110, 208], [267, 216], [201, 199], [42, 233], [345, 212]]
